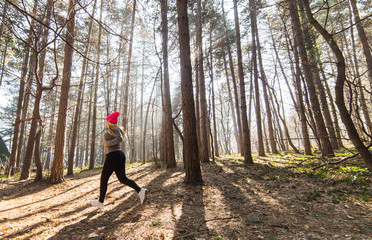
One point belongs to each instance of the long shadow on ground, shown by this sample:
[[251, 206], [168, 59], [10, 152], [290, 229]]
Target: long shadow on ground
[[119, 220], [61, 205]]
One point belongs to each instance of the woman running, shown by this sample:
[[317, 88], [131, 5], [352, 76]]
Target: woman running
[[114, 161]]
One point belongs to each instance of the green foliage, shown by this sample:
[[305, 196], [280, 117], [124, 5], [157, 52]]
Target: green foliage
[[364, 198], [217, 238]]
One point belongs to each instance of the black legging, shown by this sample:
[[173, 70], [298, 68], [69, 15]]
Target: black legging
[[115, 161]]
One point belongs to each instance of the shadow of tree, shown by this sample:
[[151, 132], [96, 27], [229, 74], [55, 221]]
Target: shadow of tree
[[107, 223], [192, 222], [62, 204]]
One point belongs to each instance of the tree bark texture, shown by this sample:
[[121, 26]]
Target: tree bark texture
[[127, 78], [327, 149], [236, 94], [71, 154], [190, 152], [204, 143], [168, 127], [246, 134], [56, 175], [92, 155]]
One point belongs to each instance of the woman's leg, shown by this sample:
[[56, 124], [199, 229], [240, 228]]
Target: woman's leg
[[120, 173], [108, 169]]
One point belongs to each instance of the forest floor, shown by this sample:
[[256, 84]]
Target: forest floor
[[279, 197]]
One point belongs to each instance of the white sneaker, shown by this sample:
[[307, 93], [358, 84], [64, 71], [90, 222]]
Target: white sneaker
[[96, 203], [142, 195]]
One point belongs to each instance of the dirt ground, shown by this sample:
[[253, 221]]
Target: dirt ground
[[234, 202]]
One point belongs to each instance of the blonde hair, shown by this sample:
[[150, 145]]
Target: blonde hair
[[113, 127]]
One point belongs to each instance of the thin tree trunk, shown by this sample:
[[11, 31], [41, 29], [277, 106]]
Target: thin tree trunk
[[215, 136], [261, 149], [362, 98], [246, 134], [363, 39], [56, 175], [236, 94], [50, 133], [3, 62], [224, 131], [17, 123], [146, 117], [327, 149], [79, 97], [31, 138], [131, 137], [190, 156], [235, 125], [314, 67], [88, 127], [2, 24], [95, 98], [108, 77], [169, 146], [333, 107], [197, 103], [299, 104], [39, 168], [39, 67], [204, 143], [274, 149], [127, 78]]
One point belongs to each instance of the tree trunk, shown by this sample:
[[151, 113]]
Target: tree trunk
[[50, 133], [15, 145], [88, 127], [362, 99], [79, 97], [127, 78], [363, 39], [327, 149], [236, 94], [341, 77], [215, 135], [3, 62], [168, 127], [92, 155], [39, 168], [246, 134], [31, 138], [40, 64], [2, 24], [146, 117], [314, 61], [274, 149], [300, 108], [141, 108], [190, 156], [235, 125], [204, 144], [334, 112], [56, 175], [261, 149]]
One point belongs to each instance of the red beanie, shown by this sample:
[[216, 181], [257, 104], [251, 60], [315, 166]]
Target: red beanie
[[113, 117]]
